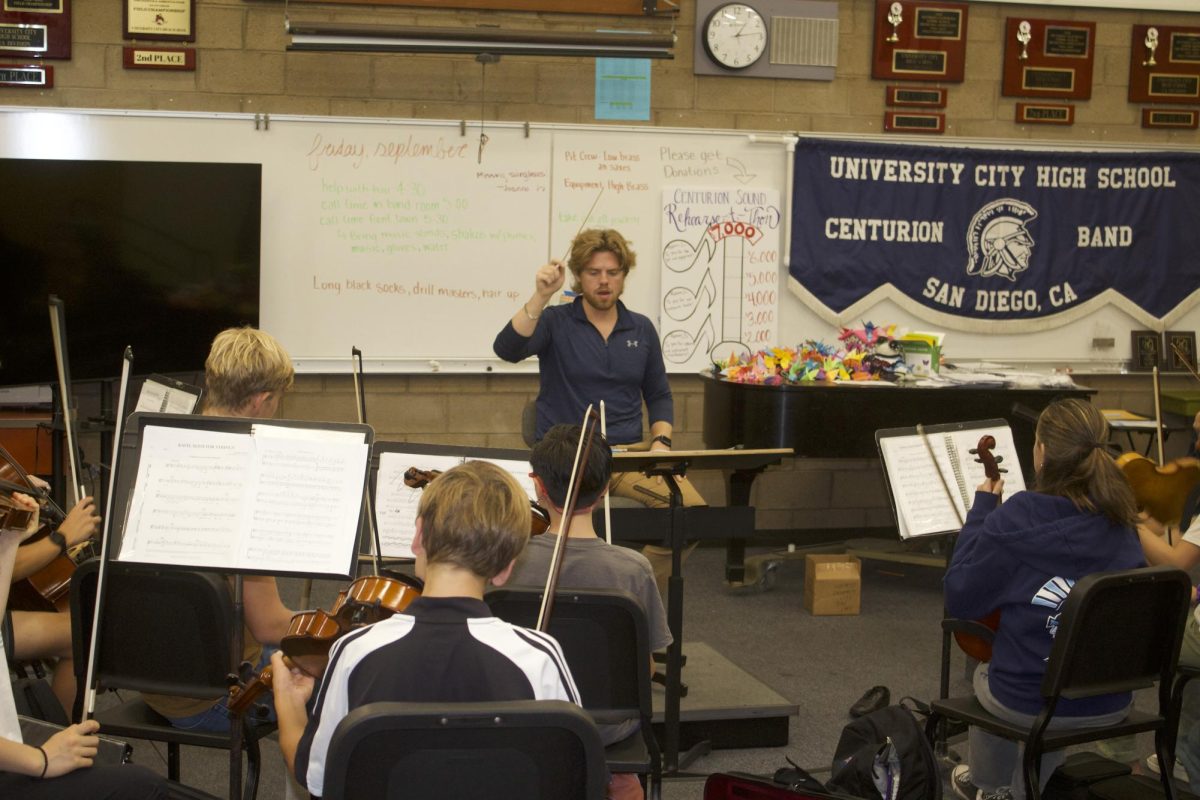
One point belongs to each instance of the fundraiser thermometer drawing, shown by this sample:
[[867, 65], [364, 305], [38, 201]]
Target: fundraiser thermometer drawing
[[730, 240], [720, 274]]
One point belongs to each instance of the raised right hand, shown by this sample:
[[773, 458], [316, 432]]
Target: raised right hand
[[71, 748], [550, 278]]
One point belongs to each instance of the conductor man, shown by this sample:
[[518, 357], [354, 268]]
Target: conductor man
[[595, 349]]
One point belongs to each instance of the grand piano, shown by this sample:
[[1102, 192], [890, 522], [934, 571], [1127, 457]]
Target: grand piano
[[840, 420]]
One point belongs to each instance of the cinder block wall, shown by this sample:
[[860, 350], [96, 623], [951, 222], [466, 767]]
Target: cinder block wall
[[242, 66]]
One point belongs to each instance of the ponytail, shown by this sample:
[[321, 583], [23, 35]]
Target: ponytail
[[1077, 464]]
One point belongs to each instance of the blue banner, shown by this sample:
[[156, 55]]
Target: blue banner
[[967, 237]]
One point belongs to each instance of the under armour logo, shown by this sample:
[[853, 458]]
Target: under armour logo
[[631, 343]]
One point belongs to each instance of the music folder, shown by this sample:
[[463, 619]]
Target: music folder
[[274, 497], [925, 504]]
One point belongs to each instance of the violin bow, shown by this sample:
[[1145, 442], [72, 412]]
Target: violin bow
[[360, 395], [58, 330], [1158, 417], [89, 701], [586, 217], [607, 507], [583, 451], [1183, 359]]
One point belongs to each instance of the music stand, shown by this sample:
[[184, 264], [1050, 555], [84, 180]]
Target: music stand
[[668, 465]]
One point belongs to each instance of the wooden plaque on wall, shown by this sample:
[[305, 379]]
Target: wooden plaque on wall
[[916, 96], [1045, 113], [1174, 77], [39, 29], [1170, 118], [914, 122], [1059, 58], [928, 43]]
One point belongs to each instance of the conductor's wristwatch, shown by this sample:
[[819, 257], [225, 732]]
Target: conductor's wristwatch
[[661, 438]]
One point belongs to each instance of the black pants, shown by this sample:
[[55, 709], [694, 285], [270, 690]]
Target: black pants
[[125, 782]]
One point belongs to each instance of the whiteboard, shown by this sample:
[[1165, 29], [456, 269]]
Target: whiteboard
[[408, 240], [491, 222]]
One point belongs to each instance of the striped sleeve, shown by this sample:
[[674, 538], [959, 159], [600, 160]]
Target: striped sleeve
[[536, 654]]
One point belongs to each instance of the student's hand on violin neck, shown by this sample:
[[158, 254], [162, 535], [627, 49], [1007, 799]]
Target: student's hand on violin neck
[[995, 487], [1151, 524]]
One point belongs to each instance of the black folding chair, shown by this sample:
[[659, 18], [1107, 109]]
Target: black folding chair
[[1118, 631], [164, 632], [521, 750], [603, 634]]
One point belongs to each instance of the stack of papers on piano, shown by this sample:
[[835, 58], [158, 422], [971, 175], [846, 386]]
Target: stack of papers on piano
[[986, 374]]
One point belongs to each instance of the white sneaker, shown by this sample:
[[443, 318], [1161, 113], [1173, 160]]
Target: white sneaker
[[960, 779], [1179, 773]]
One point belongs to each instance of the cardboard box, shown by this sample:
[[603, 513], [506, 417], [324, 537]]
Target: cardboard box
[[832, 584]]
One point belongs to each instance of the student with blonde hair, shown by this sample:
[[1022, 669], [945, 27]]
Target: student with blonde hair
[[472, 522], [246, 373], [1022, 557]]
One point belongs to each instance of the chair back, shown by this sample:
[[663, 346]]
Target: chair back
[[162, 631], [603, 635], [1117, 632], [520, 750]]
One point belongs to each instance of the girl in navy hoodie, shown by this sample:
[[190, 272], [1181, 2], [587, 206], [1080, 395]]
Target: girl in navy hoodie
[[1022, 557]]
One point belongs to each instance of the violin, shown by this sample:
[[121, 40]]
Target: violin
[[415, 478], [1162, 489], [311, 634], [977, 647], [13, 516], [48, 589]]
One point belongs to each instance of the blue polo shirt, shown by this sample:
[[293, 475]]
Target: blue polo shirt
[[578, 368]]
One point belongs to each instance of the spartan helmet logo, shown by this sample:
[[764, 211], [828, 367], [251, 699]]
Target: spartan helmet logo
[[998, 241]]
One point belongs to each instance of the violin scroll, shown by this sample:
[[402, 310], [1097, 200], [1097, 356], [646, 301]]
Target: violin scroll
[[983, 455], [416, 478]]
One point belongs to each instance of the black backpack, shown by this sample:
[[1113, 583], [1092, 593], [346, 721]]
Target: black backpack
[[891, 739]]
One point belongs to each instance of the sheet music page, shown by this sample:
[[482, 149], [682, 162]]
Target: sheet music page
[[189, 498], [307, 497], [306, 434], [160, 398], [519, 470], [396, 504], [922, 504]]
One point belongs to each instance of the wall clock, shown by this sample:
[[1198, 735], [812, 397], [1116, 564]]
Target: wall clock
[[735, 35]]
